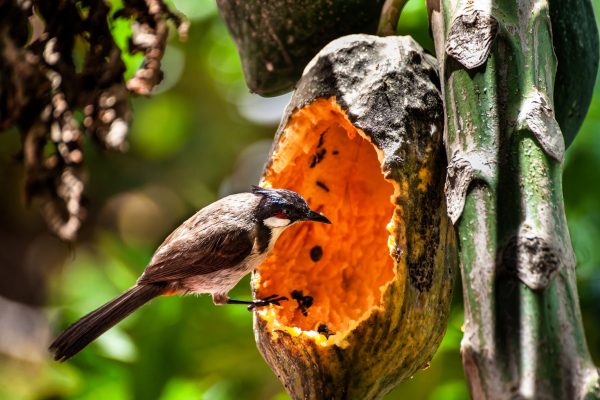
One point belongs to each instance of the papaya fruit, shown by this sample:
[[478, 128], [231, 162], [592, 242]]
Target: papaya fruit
[[575, 40], [277, 38], [369, 294]]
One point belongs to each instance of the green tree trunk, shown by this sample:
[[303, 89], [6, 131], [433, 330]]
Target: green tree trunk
[[523, 335]]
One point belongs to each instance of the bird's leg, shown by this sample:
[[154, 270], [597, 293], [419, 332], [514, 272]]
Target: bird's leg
[[273, 299]]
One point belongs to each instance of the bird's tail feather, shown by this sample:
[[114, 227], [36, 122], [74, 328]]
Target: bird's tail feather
[[88, 328]]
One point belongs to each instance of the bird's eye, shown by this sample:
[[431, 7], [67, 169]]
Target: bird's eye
[[281, 214]]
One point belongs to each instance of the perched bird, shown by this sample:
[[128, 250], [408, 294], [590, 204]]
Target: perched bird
[[208, 253]]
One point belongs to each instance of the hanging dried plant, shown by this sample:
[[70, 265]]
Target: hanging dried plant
[[62, 79]]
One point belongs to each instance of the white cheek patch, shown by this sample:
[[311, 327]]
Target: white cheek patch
[[274, 222]]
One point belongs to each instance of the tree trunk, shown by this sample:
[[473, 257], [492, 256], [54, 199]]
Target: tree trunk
[[523, 335]]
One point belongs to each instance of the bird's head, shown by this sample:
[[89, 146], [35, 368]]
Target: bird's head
[[280, 208]]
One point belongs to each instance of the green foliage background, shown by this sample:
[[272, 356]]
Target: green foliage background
[[189, 143]]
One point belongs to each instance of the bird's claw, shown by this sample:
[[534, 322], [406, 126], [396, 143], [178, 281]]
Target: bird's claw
[[273, 299], [273, 296]]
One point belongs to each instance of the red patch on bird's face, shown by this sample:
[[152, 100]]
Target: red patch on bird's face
[[280, 215]]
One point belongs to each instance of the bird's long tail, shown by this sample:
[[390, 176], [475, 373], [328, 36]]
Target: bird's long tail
[[88, 328]]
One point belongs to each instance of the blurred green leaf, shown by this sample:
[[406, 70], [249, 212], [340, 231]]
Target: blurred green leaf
[[161, 126], [454, 390], [454, 334], [219, 391], [222, 60], [180, 389], [196, 10], [281, 396], [117, 345]]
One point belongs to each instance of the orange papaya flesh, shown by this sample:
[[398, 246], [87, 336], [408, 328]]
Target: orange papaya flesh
[[342, 267], [369, 295]]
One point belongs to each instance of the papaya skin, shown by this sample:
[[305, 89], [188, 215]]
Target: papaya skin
[[277, 38], [575, 39], [380, 286]]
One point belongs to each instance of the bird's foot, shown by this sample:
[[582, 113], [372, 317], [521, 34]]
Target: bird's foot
[[273, 299]]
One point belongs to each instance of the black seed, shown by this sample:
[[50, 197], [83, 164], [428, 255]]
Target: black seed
[[322, 186], [316, 253], [307, 301], [322, 138], [297, 294], [323, 329], [304, 302], [317, 158], [335, 152]]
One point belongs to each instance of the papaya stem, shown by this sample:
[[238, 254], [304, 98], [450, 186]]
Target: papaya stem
[[523, 334], [390, 15]]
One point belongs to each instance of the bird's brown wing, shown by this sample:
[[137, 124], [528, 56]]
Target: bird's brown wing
[[183, 256]]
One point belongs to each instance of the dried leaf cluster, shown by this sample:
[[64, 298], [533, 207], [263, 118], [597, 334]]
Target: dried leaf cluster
[[62, 79]]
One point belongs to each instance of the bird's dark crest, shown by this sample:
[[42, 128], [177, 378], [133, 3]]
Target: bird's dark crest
[[259, 190], [273, 194], [281, 195]]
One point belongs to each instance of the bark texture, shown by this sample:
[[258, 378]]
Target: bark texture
[[387, 87], [523, 333]]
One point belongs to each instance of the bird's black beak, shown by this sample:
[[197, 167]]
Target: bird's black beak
[[315, 216]]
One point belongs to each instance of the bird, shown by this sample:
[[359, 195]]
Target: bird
[[207, 254]]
